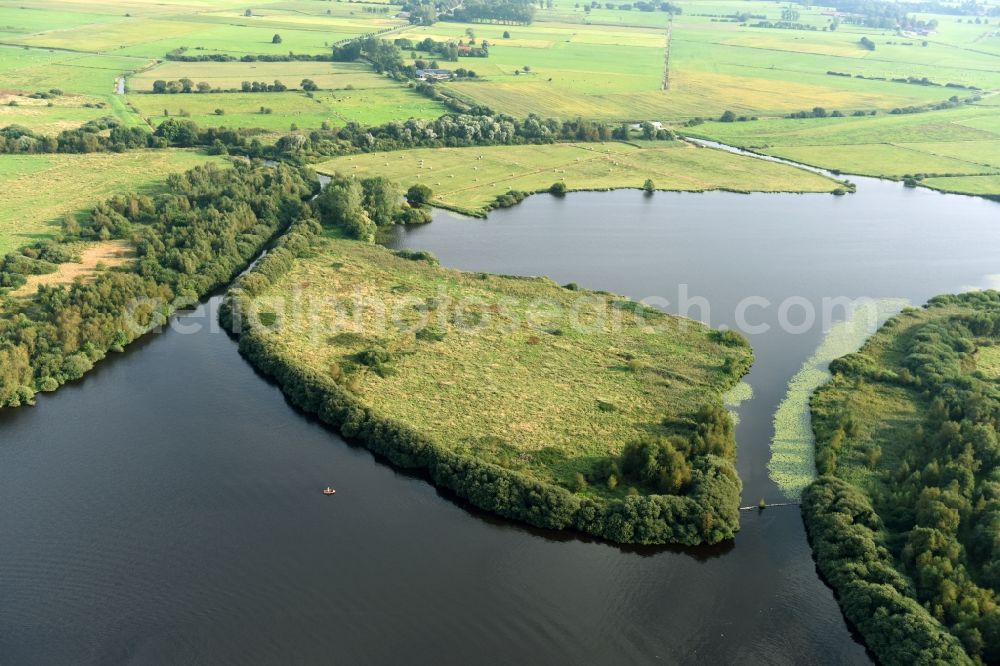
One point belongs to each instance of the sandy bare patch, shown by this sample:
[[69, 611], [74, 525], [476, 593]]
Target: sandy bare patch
[[109, 253]]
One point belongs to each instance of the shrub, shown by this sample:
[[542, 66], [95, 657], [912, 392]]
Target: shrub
[[419, 195]]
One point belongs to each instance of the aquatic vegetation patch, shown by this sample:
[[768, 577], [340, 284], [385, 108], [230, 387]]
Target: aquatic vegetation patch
[[734, 398], [792, 466]]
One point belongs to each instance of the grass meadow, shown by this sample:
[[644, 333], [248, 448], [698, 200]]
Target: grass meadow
[[960, 146], [974, 185], [470, 178]]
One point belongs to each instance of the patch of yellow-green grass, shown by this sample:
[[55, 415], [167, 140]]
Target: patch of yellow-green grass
[[962, 141], [988, 361], [377, 106], [879, 414], [33, 70], [48, 116], [301, 18], [110, 36], [693, 92], [762, 40], [792, 466], [471, 178], [39, 190], [519, 372], [988, 185], [617, 73], [986, 154], [874, 159], [960, 125]]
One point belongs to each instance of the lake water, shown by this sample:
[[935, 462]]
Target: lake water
[[166, 509]]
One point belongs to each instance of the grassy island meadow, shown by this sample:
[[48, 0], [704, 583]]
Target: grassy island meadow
[[470, 179], [538, 394], [905, 514]]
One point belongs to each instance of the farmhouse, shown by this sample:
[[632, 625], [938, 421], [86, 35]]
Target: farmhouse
[[655, 123], [424, 74]]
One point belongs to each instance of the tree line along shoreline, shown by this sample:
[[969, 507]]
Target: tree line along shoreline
[[188, 241], [904, 518]]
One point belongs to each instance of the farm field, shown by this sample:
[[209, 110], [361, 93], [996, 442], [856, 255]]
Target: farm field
[[605, 64], [40, 189], [471, 178], [38, 116], [82, 47], [369, 106], [327, 75], [86, 81], [963, 141], [214, 26], [715, 65], [472, 366], [974, 185]]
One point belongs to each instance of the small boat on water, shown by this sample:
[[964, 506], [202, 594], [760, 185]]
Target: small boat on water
[[328, 491]]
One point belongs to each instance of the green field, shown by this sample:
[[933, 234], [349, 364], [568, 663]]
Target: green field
[[37, 115], [975, 185], [82, 46], [470, 178], [603, 64], [40, 189], [520, 373], [372, 105], [140, 29], [609, 64], [327, 75], [961, 141]]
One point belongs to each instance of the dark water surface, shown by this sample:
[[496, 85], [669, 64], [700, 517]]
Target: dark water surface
[[166, 509]]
